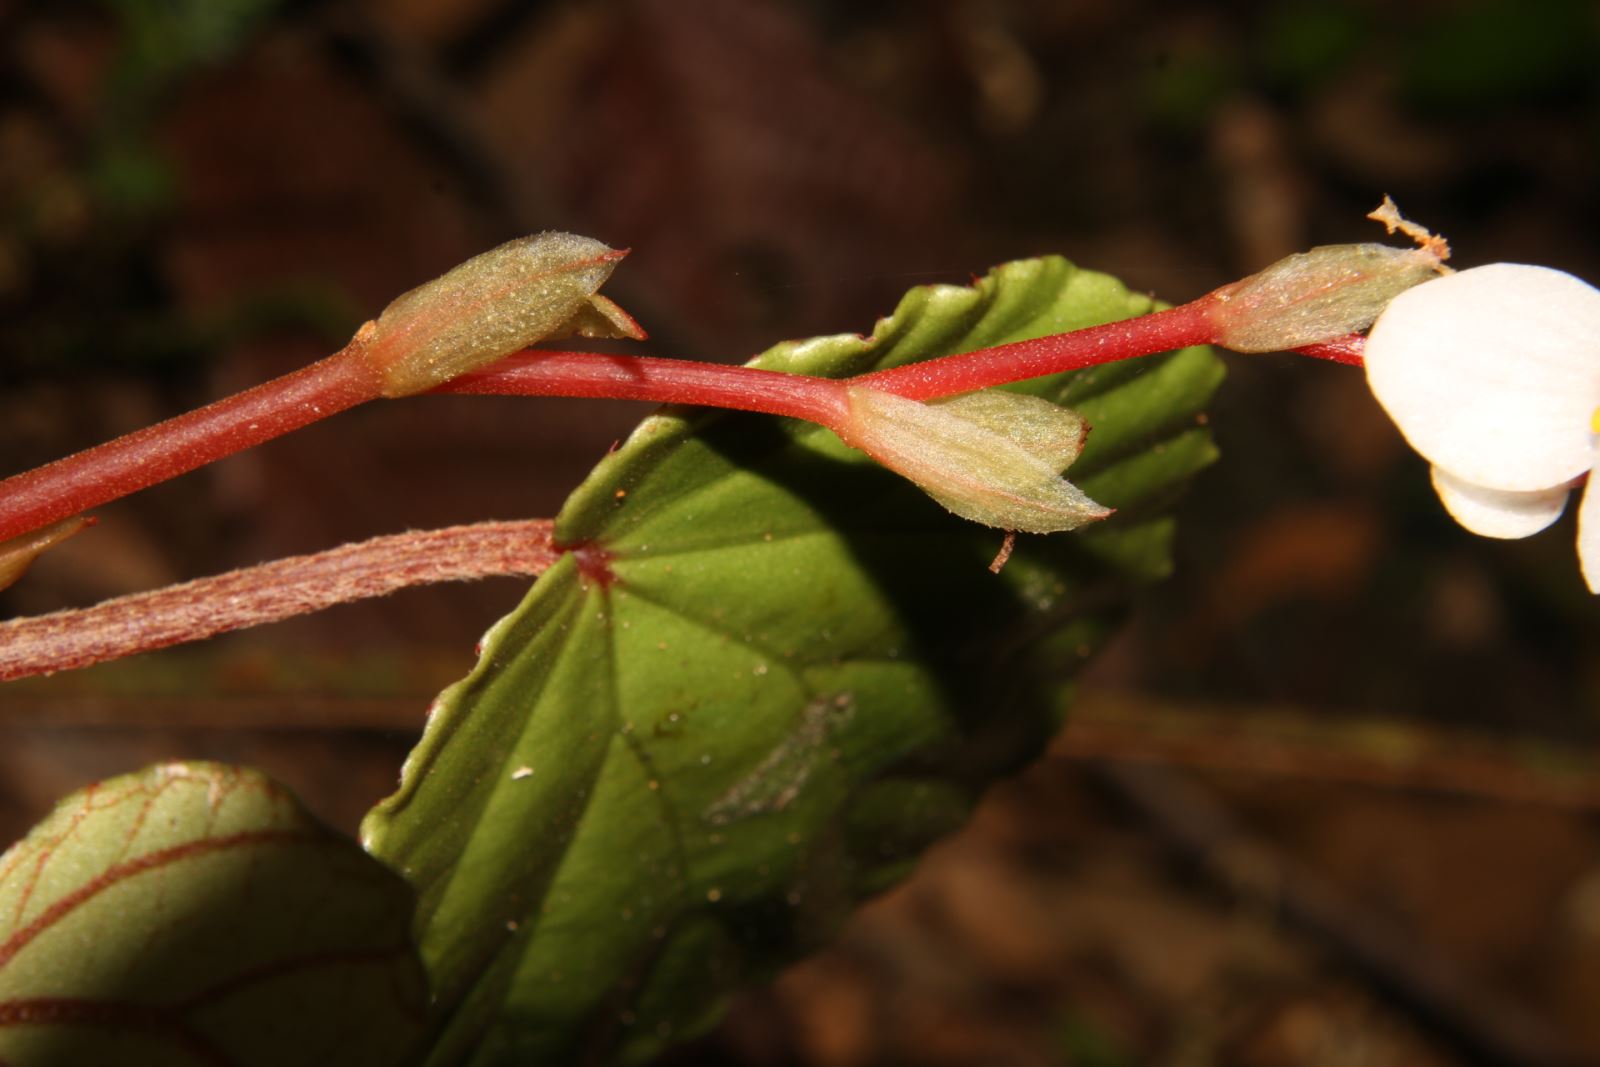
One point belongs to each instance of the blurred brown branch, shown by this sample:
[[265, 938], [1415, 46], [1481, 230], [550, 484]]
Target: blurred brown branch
[[1328, 747]]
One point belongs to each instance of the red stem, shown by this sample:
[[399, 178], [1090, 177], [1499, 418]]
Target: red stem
[[666, 381], [1161, 331], [1351, 351], [269, 592], [72, 485], [677, 381], [156, 453]]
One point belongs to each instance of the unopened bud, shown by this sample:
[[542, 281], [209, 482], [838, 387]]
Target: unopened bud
[[487, 308], [993, 457], [1317, 296]]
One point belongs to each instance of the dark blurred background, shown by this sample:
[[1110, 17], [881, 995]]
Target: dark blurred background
[[1330, 798]]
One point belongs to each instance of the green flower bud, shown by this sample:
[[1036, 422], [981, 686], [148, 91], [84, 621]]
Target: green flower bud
[[993, 457], [487, 308], [1317, 296]]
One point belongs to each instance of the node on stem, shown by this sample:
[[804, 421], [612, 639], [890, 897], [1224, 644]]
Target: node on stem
[[490, 306], [1330, 292]]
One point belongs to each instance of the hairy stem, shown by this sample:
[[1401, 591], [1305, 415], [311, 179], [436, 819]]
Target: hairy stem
[[251, 596]]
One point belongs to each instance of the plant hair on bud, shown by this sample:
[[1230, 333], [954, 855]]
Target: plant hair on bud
[[488, 307]]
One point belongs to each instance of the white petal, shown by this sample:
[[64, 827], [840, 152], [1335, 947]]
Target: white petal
[[1589, 536], [1498, 512], [1493, 373]]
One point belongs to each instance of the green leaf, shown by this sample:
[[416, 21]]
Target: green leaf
[[196, 914], [766, 675]]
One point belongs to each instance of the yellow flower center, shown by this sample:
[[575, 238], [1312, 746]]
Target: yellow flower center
[[1594, 421]]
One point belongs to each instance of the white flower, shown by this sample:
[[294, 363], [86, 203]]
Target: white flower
[[1493, 375]]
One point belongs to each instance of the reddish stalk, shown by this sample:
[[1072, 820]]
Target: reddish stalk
[[1161, 331], [665, 381], [156, 453], [676, 381], [270, 592], [87, 479], [1351, 351]]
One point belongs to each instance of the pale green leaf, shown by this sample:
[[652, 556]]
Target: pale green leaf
[[195, 914]]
